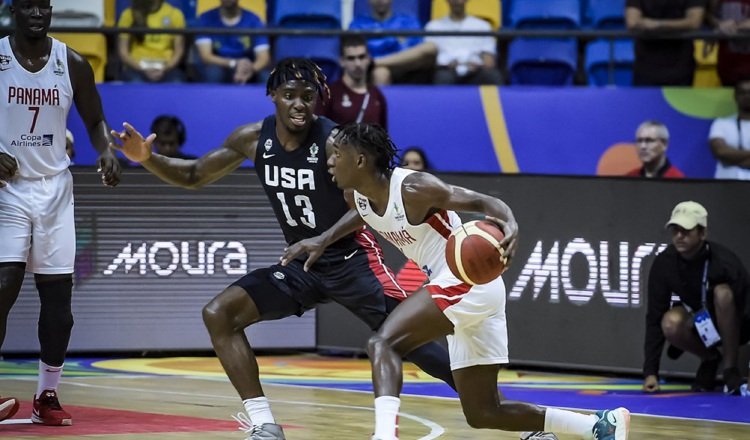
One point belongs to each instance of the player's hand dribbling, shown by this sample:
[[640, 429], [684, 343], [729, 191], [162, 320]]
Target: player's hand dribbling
[[110, 168], [510, 242], [313, 247], [133, 146], [8, 168]]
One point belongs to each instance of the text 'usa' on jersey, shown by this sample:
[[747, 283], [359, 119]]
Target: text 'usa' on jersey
[[305, 199]]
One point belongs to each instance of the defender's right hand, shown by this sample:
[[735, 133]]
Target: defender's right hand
[[313, 247], [133, 146], [651, 384], [8, 168]]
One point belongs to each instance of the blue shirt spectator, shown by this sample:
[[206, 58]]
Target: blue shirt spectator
[[232, 58], [380, 46]]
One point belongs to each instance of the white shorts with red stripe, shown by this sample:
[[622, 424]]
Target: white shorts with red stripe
[[477, 312], [37, 223]]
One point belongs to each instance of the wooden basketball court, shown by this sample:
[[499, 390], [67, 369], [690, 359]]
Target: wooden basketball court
[[189, 398]]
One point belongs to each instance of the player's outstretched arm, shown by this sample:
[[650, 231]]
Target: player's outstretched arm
[[89, 105], [217, 163], [423, 193], [314, 247]]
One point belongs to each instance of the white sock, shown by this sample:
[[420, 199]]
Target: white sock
[[259, 410], [49, 377], [386, 417], [569, 422]]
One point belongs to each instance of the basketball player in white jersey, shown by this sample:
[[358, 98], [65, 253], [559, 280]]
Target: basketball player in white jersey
[[415, 211], [39, 80]]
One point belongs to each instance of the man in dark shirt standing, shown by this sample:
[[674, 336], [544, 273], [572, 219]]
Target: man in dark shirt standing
[[713, 289], [662, 62]]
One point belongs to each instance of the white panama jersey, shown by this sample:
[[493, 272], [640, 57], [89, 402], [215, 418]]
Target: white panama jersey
[[34, 110], [425, 242]]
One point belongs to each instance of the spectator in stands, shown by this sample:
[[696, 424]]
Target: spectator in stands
[[70, 145], [662, 62], [464, 60], [729, 137], [397, 59], [730, 17], [414, 158], [713, 288], [353, 97], [151, 57], [652, 140], [227, 58], [170, 136]]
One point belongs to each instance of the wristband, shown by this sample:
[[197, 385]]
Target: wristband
[[233, 64]]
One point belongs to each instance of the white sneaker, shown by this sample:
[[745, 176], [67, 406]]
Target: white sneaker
[[266, 431], [538, 435]]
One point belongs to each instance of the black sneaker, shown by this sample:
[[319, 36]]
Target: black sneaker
[[732, 381], [705, 377]]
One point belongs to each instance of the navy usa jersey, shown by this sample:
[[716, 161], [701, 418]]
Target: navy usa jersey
[[305, 199]]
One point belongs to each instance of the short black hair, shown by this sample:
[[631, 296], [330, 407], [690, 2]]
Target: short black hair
[[420, 152], [170, 124], [373, 140], [299, 69], [352, 41]]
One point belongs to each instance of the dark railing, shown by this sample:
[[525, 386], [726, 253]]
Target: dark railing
[[503, 35]]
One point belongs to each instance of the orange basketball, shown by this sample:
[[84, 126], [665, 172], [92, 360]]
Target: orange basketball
[[474, 254]]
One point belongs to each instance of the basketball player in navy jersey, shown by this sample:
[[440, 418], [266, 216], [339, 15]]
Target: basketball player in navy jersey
[[40, 78], [290, 150], [416, 211]]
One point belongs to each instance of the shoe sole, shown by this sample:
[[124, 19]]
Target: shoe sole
[[9, 409], [39, 420]]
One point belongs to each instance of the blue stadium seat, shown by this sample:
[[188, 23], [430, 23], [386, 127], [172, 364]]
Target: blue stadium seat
[[598, 67], [419, 9], [323, 50], [542, 61], [606, 14], [545, 14], [306, 14]]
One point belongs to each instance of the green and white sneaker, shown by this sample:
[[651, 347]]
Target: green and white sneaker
[[612, 424]]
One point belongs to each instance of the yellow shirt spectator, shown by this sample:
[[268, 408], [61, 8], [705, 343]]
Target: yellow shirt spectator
[[154, 47]]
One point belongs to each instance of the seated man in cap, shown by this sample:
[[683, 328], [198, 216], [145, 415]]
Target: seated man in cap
[[713, 289]]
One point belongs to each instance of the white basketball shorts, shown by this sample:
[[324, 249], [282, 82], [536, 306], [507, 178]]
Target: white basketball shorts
[[477, 312], [37, 223]]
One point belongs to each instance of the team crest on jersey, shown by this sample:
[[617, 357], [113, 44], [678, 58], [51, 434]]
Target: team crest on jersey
[[398, 214], [362, 203], [5, 62], [59, 67], [313, 158], [268, 144]]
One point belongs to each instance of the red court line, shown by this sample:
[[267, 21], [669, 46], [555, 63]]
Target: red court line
[[98, 421]]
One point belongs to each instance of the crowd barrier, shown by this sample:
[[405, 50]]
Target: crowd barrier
[[536, 130]]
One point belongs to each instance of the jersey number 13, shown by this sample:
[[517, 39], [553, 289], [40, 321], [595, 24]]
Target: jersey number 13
[[308, 216]]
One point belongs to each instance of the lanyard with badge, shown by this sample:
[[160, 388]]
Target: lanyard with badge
[[740, 143], [702, 319]]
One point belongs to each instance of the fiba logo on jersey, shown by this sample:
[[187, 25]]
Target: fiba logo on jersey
[[398, 214], [268, 144], [313, 158], [362, 203], [59, 67]]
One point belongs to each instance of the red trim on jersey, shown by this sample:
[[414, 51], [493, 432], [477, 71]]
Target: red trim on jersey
[[410, 277], [377, 264], [454, 294], [440, 226]]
